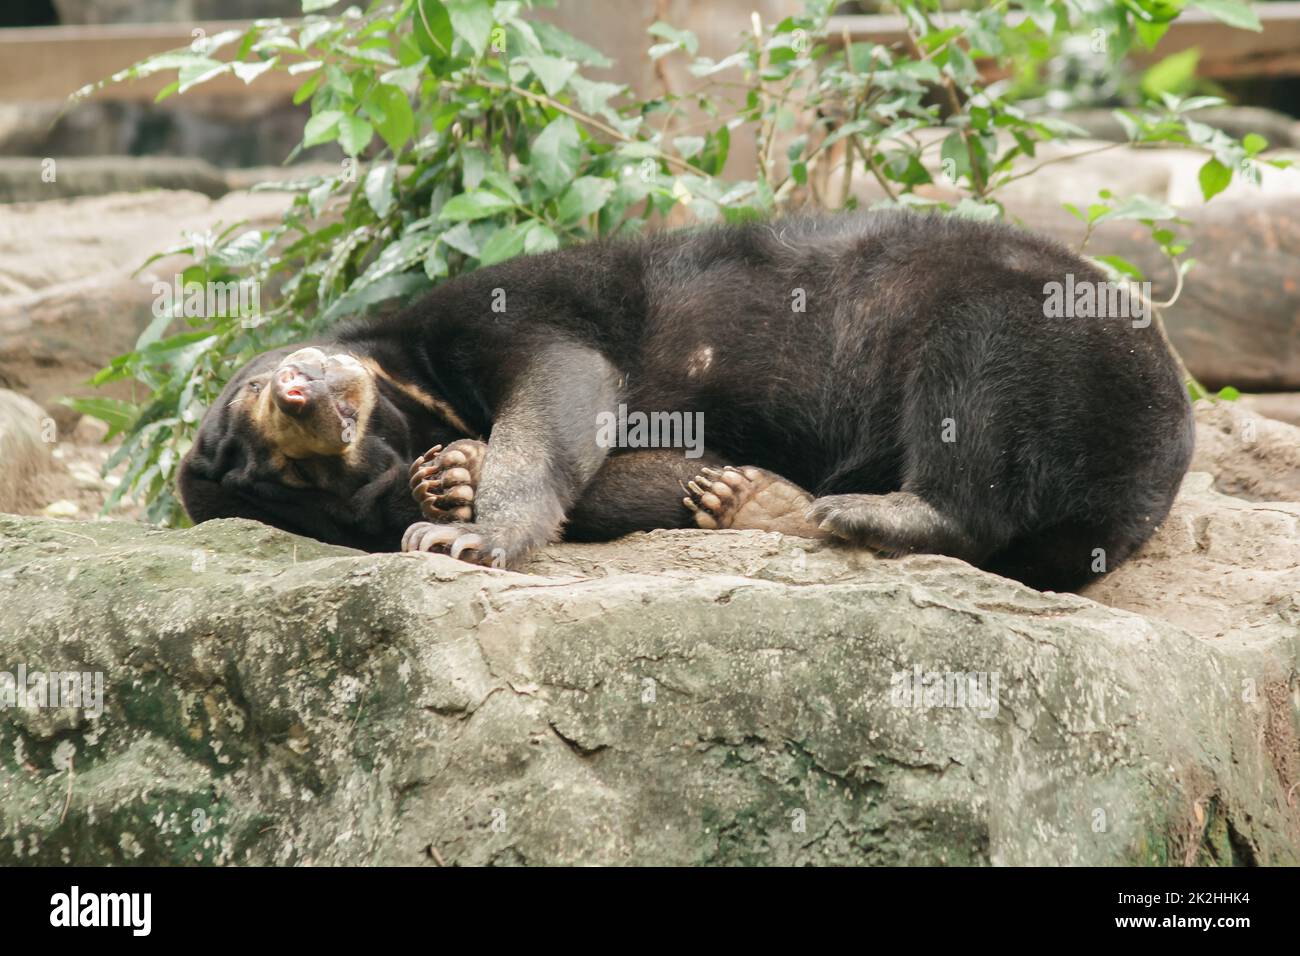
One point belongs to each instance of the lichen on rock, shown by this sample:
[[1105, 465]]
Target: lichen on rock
[[671, 698]]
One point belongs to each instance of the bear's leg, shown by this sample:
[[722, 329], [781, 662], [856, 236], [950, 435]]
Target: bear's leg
[[895, 524], [953, 497], [748, 498], [634, 491]]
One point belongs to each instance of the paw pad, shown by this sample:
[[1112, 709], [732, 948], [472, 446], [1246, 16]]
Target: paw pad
[[444, 481], [715, 495]]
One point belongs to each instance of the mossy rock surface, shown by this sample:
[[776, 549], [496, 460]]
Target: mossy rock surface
[[672, 698]]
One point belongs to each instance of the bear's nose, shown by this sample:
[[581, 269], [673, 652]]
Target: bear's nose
[[292, 386], [308, 369]]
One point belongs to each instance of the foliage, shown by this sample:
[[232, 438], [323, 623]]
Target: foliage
[[471, 133]]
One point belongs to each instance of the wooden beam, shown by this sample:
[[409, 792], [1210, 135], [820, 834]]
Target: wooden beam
[[1226, 52], [50, 63]]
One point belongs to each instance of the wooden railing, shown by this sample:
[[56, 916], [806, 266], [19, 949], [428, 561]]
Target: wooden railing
[[45, 63], [1226, 52]]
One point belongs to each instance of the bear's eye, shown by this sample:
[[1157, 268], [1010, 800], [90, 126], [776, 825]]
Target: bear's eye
[[255, 386]]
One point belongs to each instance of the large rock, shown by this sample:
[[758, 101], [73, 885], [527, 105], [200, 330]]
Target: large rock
[[114, 145], [1225, 567], [40, 178], [1237, 321], [1281, 406], [156, 11], [678, 697], [1220, 567], [1251, 456], [26, 438], [1278, 128]]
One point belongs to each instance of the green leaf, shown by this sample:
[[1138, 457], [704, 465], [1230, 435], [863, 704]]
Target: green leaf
[[560, 43], [433, 31], [355, 134], [407, 79], [1041, 12], [321, 128], [714, 157], [1173, 74], [313, 32], [435, 261], [304, 92], [954, 156], [677, 39], [1135, 207], [473, 166], [472, 22], [199, 71], [1214, 178], [506, 242], [1229, 394], [540, 239], [248, 72], [475, 205], [586, 196], [1122, 266], [969, 208], [688, 146], [593, 97], [379, 188], [502, 183], [317, 196], [461, 238], [555, 153], [1150, 33], [1235, 13], [404, 284], [117, 414], [1199, 103], [1254, 143], [391, 113], [553, 72]]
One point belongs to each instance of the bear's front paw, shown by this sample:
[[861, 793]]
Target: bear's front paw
[[445, 480], [465, 542]]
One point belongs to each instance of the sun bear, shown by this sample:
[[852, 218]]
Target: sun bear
[[887, 379]]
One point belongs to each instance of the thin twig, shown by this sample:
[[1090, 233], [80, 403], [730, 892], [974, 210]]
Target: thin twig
[[546, 101], [1057, 159], [875, 169]]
